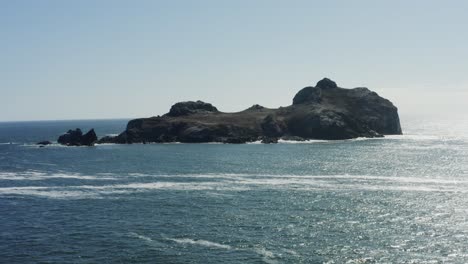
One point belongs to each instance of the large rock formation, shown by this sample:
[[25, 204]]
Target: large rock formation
[[325, 111], [186, 108], [76, 138]]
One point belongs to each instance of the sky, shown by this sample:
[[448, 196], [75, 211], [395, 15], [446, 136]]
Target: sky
[[123, 59]]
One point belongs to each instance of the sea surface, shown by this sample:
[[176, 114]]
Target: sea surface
[[400, 199]]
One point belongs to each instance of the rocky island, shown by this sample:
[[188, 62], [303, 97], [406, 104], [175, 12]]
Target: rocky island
[[324, 111]]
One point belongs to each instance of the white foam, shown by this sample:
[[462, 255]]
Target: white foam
[[413, 137], [200, 242], [309, 141], [235, 182], [34, 145], [360, 261], [145, 238], [96, 191], [38, 176], [292, 177], [267, 256], [46, 192], [291, 252], [367, 138], [254, 142]]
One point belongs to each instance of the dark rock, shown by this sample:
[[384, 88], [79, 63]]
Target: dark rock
[[308, 95], [106, 140], [190, 107], [44, 143], [325, 111], [269, 140], [237, 140], [256, 107], [71, 138], [89, 138], [197, 134], [293, 138], [271, 127], [326, 83], [76, 138], [313, 94]]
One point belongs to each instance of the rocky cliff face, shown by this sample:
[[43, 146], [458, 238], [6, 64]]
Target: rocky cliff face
[[325, 111]]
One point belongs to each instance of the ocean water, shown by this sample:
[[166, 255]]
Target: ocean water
[[401, 199]]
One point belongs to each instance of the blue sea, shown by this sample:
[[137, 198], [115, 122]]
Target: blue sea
[[400, 199]]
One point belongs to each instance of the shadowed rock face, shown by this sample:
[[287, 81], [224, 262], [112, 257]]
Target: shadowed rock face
[[186, 108], [325, 111], [76, 138]]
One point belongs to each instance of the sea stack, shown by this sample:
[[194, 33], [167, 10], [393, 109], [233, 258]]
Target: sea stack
[[76, 138], [324, 111]]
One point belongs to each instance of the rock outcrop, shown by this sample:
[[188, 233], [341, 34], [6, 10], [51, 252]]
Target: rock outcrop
[[187, 108], [76, 138], [324, 111], [44, 143]]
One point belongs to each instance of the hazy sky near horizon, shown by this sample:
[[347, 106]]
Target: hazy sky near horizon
[[111, 59]]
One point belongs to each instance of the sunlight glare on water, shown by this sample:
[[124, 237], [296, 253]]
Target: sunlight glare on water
[[401, 199]]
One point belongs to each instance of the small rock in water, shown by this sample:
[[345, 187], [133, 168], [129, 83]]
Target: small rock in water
[[44, 143], [269, 140]]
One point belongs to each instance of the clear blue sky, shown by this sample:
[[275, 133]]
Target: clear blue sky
[[110, 59]]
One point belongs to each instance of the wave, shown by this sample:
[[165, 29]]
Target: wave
[[267, 256], [106, 144], [200, 242], [53, 145], [144, 238], [254, 142], [413, 137], [38, 176], [239, 176], [228, 183], [46, 192], [310, 141]]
